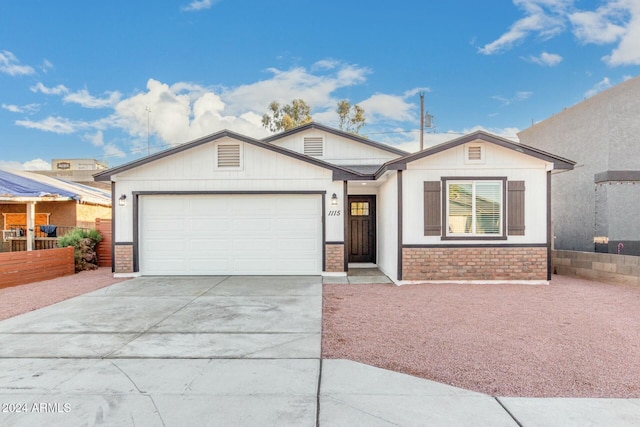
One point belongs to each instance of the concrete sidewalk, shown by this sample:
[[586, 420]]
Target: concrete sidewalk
[[236, 351]]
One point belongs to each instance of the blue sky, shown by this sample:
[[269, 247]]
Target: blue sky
[[77, 77]]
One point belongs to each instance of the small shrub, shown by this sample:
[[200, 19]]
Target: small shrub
[[84, 242]]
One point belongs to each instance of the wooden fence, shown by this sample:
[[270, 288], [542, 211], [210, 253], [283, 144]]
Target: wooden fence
[[19, 268], [104, 247]]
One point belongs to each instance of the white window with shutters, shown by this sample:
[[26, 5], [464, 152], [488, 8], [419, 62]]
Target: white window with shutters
[[313, 146], [474, 154], [229, 156]]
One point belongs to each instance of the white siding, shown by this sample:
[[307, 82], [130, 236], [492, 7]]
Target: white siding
[[195, 170], [338, 150], [387, 206], [499, 162]]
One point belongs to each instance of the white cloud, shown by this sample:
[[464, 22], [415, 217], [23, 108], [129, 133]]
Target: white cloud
[[97, 139], [508, 133], [10, 65], [83, 98], [56, 90], [31, 165], [59, 125], [518, 96], [382, 106], [28, 108], [37, 165], [46, 65], [597, 26], [197, 5], [603, 84], [546, 59], [614, 21], [111, 150], [545, 18]]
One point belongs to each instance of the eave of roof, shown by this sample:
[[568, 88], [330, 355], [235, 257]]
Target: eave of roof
[[339, 173], [351, 136], [401, 163]]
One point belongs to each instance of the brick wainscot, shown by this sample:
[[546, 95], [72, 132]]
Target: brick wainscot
[[474, 263]]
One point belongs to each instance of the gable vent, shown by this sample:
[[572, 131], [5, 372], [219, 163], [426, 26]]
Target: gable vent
[[229, 156], [313, 146], [474, 153]]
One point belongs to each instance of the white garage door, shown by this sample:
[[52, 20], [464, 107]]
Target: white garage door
[[230, 234]]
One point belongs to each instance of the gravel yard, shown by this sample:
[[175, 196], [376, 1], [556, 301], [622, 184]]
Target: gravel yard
[[573, 338], [21, 299]]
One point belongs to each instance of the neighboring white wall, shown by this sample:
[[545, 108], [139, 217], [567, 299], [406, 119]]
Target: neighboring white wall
[[338, 150], [601, 133], [499, 162], [387, 226], [194, 170]]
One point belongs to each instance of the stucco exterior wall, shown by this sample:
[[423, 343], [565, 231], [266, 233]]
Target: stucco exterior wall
[[601, 134]]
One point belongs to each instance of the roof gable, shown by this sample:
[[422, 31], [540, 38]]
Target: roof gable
[[401, 163], [338, 172], [337, 132]]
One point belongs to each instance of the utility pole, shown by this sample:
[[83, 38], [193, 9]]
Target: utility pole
[[148, 110], [421, 121]]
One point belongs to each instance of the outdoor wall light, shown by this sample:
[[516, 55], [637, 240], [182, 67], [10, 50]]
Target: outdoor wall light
[[334, 200], [122, 201]]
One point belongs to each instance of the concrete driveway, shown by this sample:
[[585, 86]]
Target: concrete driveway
[[230, 351], [158, 351]]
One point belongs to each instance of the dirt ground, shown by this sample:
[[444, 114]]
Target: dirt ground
[[573, 338], [21, 299]]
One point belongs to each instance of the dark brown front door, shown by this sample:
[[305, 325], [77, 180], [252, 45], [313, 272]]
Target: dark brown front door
[[362, 228]]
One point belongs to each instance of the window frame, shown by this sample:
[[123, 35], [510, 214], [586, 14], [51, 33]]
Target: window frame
[[445, 235]]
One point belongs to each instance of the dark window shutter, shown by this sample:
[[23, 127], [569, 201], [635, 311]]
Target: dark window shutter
[[515, 208], [432, 211]]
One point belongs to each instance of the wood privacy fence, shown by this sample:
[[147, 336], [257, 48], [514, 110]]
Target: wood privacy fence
[[19, 268], [104, 247]]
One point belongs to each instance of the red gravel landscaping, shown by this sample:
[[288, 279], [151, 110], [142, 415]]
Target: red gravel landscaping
[[21, 299], [573, 338]]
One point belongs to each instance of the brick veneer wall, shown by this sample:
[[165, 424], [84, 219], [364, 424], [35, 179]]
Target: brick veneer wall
[[474, 263], [124, 259], [334, 257]]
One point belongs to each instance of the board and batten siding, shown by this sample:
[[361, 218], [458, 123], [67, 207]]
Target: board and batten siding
[[337, 150], [195, 170], [499, 162]]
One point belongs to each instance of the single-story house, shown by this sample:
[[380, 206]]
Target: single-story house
[[313, 200], [36, 208]]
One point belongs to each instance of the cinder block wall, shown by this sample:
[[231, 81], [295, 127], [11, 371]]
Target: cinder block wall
[[597, 266], [479, 263]]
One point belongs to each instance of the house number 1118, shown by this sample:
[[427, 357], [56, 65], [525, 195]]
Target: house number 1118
[[334, 213]]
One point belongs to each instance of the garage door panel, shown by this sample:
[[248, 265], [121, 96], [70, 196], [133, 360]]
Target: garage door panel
[[253, 247], [231, 234], [294, 245], [211, 245], [210, 226]]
